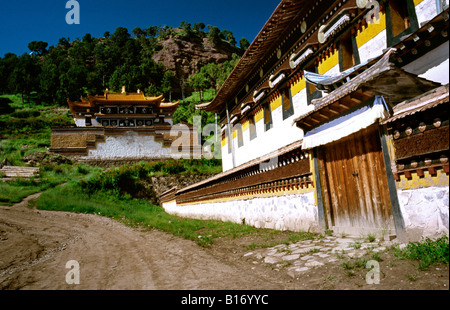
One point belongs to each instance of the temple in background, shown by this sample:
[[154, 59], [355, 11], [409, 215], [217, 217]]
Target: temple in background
[[124, 126]]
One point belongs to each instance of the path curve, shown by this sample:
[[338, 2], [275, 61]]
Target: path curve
[[36, 245]]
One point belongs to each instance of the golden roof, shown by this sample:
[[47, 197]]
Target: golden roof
[[129, 98]]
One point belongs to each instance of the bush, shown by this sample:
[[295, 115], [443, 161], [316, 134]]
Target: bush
[[427, 252]]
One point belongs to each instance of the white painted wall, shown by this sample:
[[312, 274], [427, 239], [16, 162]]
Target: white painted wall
[[425, 211], [129, 145], [283, 133], [290, 212], [425, 11], [81, 122], [433, 66], [374, 47]]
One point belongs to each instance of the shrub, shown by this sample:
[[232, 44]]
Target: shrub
[[427, 252]]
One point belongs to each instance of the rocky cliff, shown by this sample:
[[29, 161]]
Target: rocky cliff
[[185, 56]]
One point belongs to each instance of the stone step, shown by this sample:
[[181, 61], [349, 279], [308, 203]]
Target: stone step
[[19, 168]]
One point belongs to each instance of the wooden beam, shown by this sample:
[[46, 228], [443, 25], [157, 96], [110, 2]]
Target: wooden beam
[[326, 117], [395, 204], [313, 119], [333, 111], [343, 105], [432, 171]]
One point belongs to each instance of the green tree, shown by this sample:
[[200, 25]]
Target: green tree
[[199, 26], [213, 34], [38, 47], [199, 81], [7, 66], [185, 29], [49, 81], [24, 77], [228, 36], [138, 32], [167, 83], [120, 36], [73, 82], [244, 43]]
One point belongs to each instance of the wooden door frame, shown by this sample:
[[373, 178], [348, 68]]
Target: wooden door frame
[[324, 210]]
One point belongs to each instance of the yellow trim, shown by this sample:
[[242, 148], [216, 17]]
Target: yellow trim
[[234, 133], [245, 126], [416, 2], [441, 179], [224, 141], [298, 87], [259, 115], [275, 103], [372, 30], [329, 62], [170, 201]]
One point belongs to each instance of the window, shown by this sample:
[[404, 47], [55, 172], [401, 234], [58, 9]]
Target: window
[[88, 120], [311, 90], [252, 127], [229, 141], [268, 124], [239, 135], [286, 101], [401, 20], [348, 53]]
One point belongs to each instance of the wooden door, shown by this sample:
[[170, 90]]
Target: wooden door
[[354, 184]]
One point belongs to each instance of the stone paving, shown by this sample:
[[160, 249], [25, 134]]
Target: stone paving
[[304, 255]]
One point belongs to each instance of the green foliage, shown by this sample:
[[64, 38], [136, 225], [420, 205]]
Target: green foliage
[[50, 175], [210, 76], [244, 43], [427, 252], [129, 180], [72, 69]]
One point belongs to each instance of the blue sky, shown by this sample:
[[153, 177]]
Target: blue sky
[[23, 21]]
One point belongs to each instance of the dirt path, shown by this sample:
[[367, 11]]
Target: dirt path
[[36, 245]]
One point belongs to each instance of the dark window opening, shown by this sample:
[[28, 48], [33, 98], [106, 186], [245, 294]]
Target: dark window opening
[[311, 91], [88, 121], [286, 101], [401, 20], [252, 127], [268, 124], [348, 53], [399, 16], [239, 135], [229, 140]]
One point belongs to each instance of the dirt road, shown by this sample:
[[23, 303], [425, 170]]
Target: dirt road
[[36, 245]]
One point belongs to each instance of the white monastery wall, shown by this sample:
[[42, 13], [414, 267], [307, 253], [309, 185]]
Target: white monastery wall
[[425, 211], [373, 48], [81, 122], [296, 212], [426, 10], [433, 66], [128, 145]]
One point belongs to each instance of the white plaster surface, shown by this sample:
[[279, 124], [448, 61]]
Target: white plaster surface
[[283, 133], [426, 10], [433, 66], [129, 145], [373, 47], [425, 211], [290, 212]]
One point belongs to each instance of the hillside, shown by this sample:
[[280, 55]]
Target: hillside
[[155, 60], [185, 57]]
